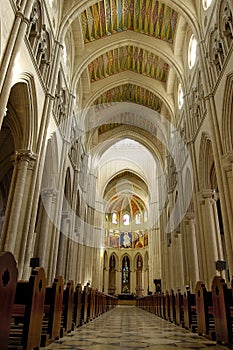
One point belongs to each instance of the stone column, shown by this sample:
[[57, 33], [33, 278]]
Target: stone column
[[227, 163], [43, 251], [61, 259], [106, 279], [191, 251], [210, 244], [50, 257], [11, 236]]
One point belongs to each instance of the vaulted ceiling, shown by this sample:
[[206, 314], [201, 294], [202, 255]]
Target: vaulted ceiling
[[108, 17], [129, 51], [148, 54]]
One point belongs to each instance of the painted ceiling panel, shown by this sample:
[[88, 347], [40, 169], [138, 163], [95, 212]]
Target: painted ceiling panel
[[128, 58], [126, 203], [129, 93], [149, 17]]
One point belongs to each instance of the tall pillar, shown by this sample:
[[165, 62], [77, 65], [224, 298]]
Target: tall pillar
[[50, 257], [13, 229], [47, 197], [191, 251], [212, 250]]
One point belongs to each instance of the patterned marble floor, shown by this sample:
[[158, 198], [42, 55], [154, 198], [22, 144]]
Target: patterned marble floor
[[130, 328]]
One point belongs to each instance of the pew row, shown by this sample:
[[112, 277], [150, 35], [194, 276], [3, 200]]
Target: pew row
[[34, 315], [209, 313], [8, 278], [27, 314]]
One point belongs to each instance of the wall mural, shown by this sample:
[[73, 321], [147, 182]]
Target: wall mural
[[126, 239]]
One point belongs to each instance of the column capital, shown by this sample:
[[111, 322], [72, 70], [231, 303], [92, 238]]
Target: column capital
[[25, 155], [48, 192], [189, 216]]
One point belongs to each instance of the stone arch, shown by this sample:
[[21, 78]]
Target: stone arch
[[22, 113], [18, 140], [113, 262], [126, 267], [206, 162], [227, 113], [187, 194], [138, 266], [225, 22], [50, 171], [67, 191], [35, 25]]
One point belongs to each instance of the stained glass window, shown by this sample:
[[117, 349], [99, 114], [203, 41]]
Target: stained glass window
[[192, 51], [114, 218], [137, 218], [126, 219]]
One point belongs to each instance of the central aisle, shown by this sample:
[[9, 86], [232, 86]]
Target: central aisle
[[127, 328]]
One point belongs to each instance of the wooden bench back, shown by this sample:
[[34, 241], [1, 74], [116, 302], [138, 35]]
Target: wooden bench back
[[54, 299], [8, 282], [221, 306], [203, 302], [29, 298]]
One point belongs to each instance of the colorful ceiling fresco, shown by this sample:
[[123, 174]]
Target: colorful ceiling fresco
[[129, 93], [126, 203], [128, 58], [149, 17]]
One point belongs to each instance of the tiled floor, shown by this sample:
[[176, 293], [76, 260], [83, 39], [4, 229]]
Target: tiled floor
[[128, 328]]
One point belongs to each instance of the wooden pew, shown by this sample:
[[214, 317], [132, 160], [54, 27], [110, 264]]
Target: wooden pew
[[77, 307], [163, 305], [52, 312], [179, 309], [97, 313], [222, 302], [67, 309], [8, 283], [28, 312], [190, 316], [84, 312], [204, 311], [172, 307], [167, 306]]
